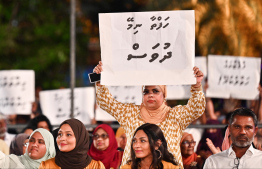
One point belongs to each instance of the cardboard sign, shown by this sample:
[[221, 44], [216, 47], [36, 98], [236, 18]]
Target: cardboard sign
[[232, 76], [147, 48], [56, 104], [17, 91]]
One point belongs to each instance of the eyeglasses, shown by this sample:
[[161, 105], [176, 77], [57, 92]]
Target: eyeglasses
[[236, 162], [26, 144], [103, 136], [187, 143]]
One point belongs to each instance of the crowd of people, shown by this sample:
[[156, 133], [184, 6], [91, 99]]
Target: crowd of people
[[152, 135]]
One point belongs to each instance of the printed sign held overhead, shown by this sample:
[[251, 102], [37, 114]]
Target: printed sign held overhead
[[147, 48]]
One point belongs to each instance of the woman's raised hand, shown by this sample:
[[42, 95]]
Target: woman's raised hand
[[98, 69], [199, 76]]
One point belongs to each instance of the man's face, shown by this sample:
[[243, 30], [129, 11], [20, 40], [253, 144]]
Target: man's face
[[242, 131]]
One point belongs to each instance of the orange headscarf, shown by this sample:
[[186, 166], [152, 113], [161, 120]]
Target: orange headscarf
[[119, 132], [158, 115]]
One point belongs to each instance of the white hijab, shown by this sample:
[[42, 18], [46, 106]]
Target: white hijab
[[24, 161]]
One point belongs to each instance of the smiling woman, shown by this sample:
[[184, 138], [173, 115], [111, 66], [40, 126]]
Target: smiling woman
[[41, 147], [149, 149], [72, 141]]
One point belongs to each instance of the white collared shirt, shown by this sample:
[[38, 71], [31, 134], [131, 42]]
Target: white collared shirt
[[251, 159]]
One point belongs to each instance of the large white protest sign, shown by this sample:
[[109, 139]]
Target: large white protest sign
[[123, 94], [183, 91], [147, 48], [17, 91], [55, 104], [231, 76]]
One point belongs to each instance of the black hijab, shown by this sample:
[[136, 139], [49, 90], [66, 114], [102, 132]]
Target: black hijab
[[77, 158]]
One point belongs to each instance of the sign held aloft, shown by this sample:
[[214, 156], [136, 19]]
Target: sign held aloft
[[147, 48]]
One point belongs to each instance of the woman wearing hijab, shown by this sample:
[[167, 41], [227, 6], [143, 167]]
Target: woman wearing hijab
[[17, 145], [41, 147], [72, 141], [149, 149], [104, 147], [190, 159], [153, 109]]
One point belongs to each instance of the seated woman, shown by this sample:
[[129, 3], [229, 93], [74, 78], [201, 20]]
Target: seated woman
[[149, 149], [72, 141], [190, 159], [104, 147], [18, 145], [41, 147]]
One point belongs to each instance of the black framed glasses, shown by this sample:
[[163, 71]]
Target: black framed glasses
[[97, 136], [236, 163]]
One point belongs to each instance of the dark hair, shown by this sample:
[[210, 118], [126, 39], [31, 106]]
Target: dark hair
[[154, 133], [243, 112], [32, 124]]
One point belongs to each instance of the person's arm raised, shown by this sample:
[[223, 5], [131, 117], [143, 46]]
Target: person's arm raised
[[196, 104], [120, 111]]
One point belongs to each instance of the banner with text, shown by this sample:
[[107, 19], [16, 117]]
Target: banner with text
[[232, 76], [56, 104], [147, 48], [17, 91]]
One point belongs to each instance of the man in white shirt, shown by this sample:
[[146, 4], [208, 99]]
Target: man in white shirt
[[241, 154]]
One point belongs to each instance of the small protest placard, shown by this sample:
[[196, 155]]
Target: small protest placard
[[147, 48], [56, 104], [232, 76], [17, 91]]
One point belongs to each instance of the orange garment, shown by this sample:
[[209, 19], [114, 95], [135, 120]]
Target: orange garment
[[190, 159], [166, 165], [51, 164]]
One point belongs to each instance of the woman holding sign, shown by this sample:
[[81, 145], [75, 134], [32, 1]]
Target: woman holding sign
[[153, 109]]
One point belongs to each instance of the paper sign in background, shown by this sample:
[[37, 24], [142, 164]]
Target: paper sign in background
[[17, 91], [56, 104], [147, 48], [232, 76]]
